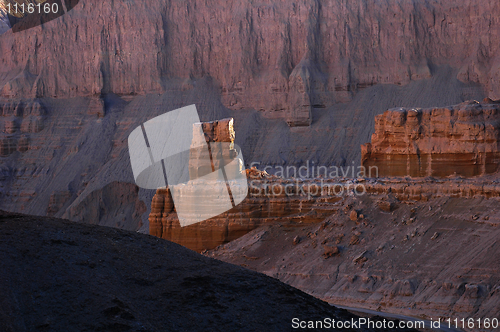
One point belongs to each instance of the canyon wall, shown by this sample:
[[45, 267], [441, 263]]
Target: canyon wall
[[461, 139], [282, 58], [104, 68]]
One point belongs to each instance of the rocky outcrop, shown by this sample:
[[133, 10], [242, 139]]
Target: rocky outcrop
[[283, 58], [266, 204], [270, 199], [203, 161], [462, 139]]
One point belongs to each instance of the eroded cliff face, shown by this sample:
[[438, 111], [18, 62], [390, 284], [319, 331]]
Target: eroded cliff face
[[62, 156], [461, 139], [283, 58]]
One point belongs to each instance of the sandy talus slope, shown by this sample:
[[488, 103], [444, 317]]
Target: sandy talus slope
[[436, 257]]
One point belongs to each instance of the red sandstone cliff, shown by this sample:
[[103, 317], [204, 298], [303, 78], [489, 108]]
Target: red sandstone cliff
[[305, 202], [261, 207], [462, 139]]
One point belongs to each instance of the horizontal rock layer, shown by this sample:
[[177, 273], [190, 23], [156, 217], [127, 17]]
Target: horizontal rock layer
[[462, 139], [136, 49], [261, 207], [296, 203], [21, 119]]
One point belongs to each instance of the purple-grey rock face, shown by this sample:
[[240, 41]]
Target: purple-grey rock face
[[281, 57], [4, 22]]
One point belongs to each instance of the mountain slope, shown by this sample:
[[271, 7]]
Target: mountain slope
[[62, 276]]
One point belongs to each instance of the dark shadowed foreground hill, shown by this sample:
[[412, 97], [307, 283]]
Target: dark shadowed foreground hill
[[57, 275]]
